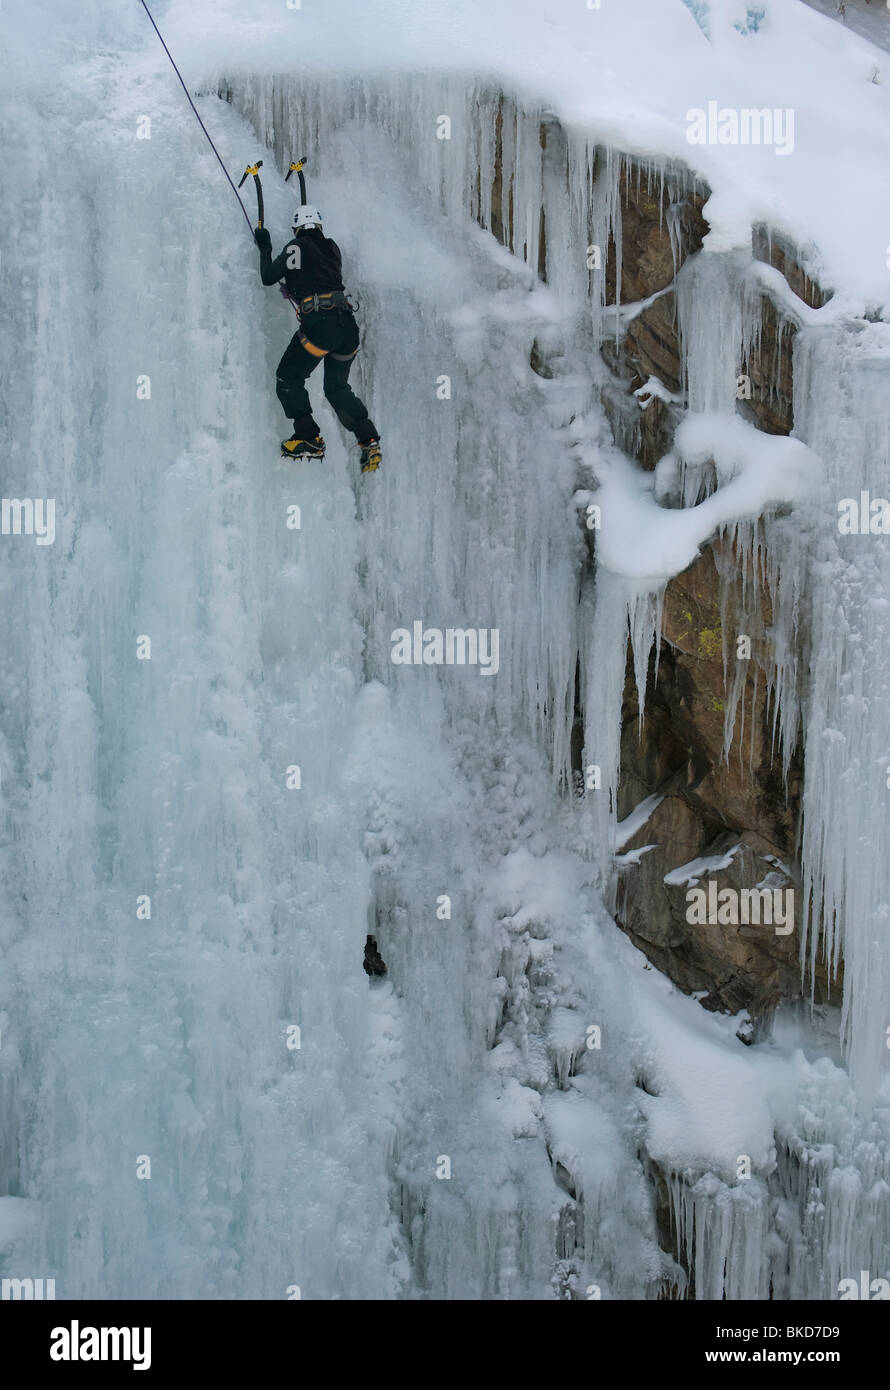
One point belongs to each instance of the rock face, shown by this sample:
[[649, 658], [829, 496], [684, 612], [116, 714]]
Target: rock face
[[712, 807], [649, 210], [737, 808], [776, 251], [768, 366], [651, 347], [373, 963]]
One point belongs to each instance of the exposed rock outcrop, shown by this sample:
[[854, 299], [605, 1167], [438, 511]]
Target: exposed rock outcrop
[[713, 803], [711, 806]]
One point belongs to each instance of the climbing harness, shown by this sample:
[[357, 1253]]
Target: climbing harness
[[334, 299], [310, 347], [324, 352], [198, 116]]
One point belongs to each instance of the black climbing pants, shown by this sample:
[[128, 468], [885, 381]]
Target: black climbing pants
[[330, 336]]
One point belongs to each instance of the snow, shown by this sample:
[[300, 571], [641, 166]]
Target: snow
[[712, 1102], [756, 472], [632, 857], [697, 869], [604, 72], [862, 16], [654, 387], [627, 828]]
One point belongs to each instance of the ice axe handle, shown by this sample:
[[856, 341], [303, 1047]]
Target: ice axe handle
[[255, 170], [298, 170]]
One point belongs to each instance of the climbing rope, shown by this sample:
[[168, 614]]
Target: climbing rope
[[198, 117]]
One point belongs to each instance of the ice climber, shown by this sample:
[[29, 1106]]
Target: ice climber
[[311, 267]]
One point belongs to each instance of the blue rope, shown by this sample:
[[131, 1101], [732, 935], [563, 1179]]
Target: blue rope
[[198, 117]]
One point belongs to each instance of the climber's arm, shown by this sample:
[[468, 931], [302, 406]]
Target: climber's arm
[[271, 271]]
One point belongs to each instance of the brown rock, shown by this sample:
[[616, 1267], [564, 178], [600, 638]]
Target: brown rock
[[652, 344], [647, 262], [736, 966], [710, 803], [769, 366], [776, 250]]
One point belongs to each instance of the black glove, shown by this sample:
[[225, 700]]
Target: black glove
[[263, 239]]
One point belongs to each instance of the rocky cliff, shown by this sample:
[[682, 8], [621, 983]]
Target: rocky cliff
[[708, 741]]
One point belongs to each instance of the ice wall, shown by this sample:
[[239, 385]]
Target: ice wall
[[841, 378], [473, 525], [824, 651], [126, 1038], [721, 323], [147, 362]]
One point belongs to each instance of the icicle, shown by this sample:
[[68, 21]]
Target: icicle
[[721, 1235], [710, 317], [840, 389]]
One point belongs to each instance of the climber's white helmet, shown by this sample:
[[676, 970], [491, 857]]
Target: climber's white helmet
[[306, 216]]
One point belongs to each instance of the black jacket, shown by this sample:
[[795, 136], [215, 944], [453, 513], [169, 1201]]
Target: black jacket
[[319, 261]]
